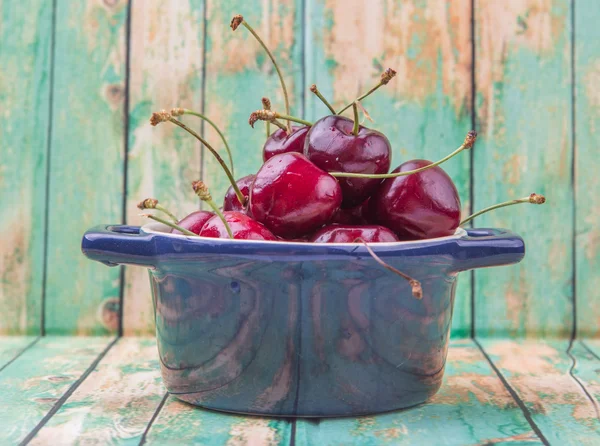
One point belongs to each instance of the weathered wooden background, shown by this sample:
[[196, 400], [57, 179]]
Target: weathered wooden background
[[79, 79]]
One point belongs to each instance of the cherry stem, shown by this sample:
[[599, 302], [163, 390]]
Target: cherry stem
[[279, 124], [204, 194], [289, 118], [533, 199], [266, 102], [234, 185], [285, 93], [185, 111], [417, 290], [318, 94], [356, 123], [171, 225], [152, 203], [467, 144], [386, 76], [270, 115]]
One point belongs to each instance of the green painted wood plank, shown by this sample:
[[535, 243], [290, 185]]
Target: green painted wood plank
[[524, 123], [538, 371], [12, 346], [34, 382], [239, 74], [426, 110], [472, 407], [587, 371], [25, 33], [587, 181], [86, 161], [593, 345], [166, 72], [116, 401], [186, 424]]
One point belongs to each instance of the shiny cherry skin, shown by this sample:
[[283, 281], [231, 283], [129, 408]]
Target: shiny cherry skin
[[280, 142], [331, 145], [349, 234], [242, 227], [194, 221], [358, 215], [418, 206], [293, 197], [231, 202]]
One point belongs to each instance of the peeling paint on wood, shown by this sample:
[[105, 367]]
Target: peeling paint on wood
[[86, 162], [524, 123], [425, 110], [239, 74], [166, 72], [25, 30], [192, 425], [34, 382], [472, 405], [12, 346], [538, 371], [587, 180], [116, 401]]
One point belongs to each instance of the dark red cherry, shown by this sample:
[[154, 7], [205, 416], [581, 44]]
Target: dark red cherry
[[352, 216], [280, 142], [242, 227], [292, 197], [348, 234], [331, 145], [418, 206], [231, 202], [194, 221]]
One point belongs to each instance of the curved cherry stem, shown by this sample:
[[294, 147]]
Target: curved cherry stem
[[152, 203], [467, 144], [417, 290], [318, 94], [356, 126], [204, 194], [283, 87], [270, 115], [386, 76], [185, 111], [171, 225], [234, 185], [533, 199]]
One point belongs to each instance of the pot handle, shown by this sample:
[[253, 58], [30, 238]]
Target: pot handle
[[119, 244], [485, 247]]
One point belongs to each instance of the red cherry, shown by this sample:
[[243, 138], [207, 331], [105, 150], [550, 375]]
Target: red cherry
[[292, 197], [231, 202], [332, 146], [242, 227], [280, 142], [194, 221], [418, 206], [352, 216], [348, 234]]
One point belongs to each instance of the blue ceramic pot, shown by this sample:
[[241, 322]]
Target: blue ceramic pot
[[301, 329]]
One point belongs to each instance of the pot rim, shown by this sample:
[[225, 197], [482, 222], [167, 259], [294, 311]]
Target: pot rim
[[163, 230]]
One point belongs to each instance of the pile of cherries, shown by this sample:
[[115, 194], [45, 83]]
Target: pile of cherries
[[324, 182]]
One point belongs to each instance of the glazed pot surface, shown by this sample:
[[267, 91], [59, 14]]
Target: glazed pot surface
[[292, 329]]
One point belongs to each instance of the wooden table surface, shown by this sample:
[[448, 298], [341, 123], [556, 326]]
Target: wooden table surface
[[99, 390]]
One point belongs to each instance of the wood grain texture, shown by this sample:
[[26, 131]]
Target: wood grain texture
[[472, 407], [587, 371], [186, 424], [34, 382], [86, 162], [12, 346], [587, 180], [25, 33], [116, 401], [424, 111], [239, 73], [166, 72], [538, 371], [524, 123]]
